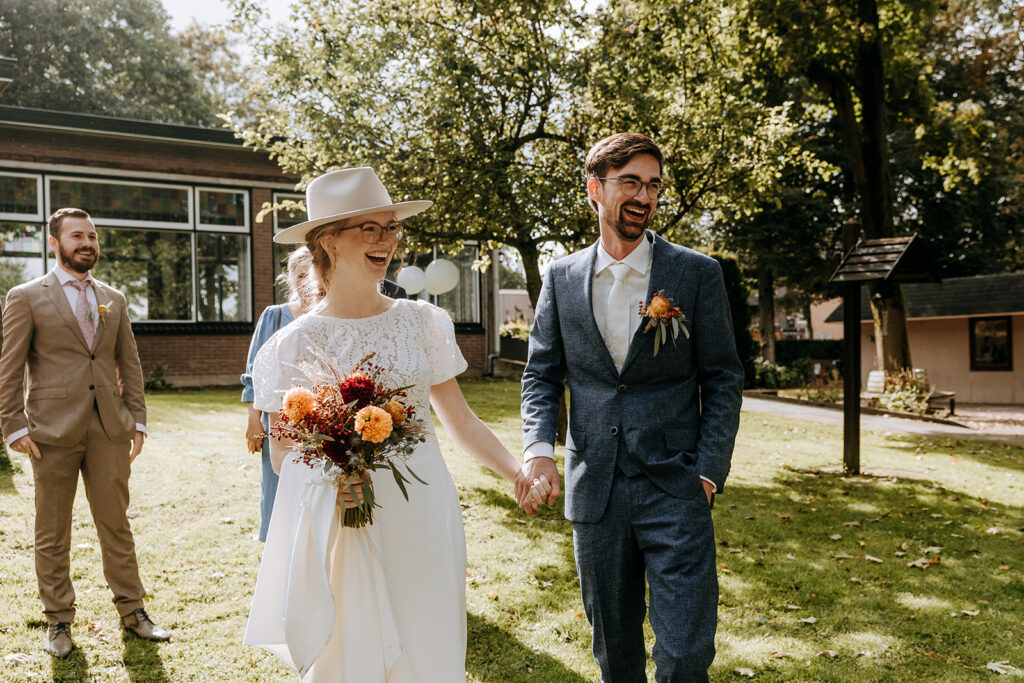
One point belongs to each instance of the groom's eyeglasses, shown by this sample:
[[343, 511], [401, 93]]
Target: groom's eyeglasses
[[630, 186], [373, 233]]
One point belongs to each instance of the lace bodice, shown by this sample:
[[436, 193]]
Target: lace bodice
[[413, 340]]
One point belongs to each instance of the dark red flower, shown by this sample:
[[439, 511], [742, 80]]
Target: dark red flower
[[359, 389]]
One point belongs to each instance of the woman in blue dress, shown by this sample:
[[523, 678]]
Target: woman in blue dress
[[301, 296]]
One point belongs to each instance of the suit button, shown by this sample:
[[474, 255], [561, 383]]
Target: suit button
[[622, 388], [92, 357], [615, 430], [91, 387]]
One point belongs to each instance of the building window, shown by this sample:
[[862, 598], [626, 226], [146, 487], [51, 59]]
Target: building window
[[463, 302], [284, 218], [152, 268], [991, 343], [22, 253], [221, 209], [222, 276], [21, 197], [127, 204]]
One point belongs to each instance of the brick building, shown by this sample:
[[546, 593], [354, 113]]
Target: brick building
[[177, 208]]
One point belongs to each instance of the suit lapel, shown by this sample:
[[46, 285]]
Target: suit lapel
[[55, 292], [583, 271], [102, 299], [663, 277]]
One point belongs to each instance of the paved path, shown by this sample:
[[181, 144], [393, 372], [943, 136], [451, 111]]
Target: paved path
[[880, 423]]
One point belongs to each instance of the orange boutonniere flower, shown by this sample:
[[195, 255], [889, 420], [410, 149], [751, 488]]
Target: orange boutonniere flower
[[661, 316], [102, 310]]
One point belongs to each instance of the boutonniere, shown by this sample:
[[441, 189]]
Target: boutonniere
[[661, 316], [102, 310]]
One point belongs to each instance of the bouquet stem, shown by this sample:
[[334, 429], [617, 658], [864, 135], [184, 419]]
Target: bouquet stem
[[359, 516]]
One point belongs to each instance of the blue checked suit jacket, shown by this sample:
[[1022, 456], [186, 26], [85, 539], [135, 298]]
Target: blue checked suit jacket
[[672, 417]]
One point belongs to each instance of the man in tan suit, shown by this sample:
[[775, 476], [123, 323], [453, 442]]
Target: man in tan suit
[[85, 411]]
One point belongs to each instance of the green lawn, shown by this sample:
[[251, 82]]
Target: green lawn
[[813, 565]]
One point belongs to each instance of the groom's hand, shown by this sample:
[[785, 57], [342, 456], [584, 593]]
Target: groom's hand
[[531, 472], [25, 444]]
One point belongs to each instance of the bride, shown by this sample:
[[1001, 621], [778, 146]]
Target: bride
[[386, 602]]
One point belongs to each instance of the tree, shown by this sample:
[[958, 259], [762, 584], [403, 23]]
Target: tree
[[107, 57], [211, 52], [466, 103]]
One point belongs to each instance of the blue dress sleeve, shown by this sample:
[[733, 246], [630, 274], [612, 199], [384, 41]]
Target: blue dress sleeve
[[266, 326]]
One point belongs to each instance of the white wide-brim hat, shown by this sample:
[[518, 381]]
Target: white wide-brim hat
[[342, 194]]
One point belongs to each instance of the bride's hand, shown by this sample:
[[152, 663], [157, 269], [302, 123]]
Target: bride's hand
[[345, 499], [536, 495]]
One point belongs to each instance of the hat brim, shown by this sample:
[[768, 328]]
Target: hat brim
[[296, 234]]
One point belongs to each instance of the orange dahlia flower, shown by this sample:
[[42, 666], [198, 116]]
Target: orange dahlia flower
[[298, 403], [374, 424], [396, 410], [659, 307]]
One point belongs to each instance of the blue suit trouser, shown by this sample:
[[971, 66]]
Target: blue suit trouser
[[647, 533]]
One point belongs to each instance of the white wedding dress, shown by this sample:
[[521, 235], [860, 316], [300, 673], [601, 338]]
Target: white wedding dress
[[386, 602]]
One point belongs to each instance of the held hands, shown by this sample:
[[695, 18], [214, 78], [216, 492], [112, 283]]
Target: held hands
[[537, 483]]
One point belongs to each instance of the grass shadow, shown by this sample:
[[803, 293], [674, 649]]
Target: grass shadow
[[74, 667], [888, 575], [142, 660], [496, 656]]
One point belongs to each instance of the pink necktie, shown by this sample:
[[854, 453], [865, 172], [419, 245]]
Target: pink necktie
[[82, 310]]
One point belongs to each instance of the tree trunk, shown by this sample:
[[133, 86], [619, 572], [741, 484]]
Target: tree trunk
[[892, 346], [766, 311], [810, 322]]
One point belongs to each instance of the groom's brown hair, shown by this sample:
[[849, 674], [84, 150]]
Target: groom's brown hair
[[615, 151]]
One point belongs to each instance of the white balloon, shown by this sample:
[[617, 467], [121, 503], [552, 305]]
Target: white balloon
[[441, 276], [411, 279]]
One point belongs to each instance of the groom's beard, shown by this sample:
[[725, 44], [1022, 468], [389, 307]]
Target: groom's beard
[[81, 260], [631, 231]]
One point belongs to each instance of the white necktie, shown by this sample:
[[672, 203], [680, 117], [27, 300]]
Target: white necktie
[[616, 333]]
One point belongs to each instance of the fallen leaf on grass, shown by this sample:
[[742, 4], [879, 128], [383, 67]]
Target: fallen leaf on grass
[[992, 530], [836, 537], [828, 653], [851, 523], [749, 673], [932, 550], [779, 654], [924, 562], [970, 612], [841, 556], [792, 607], [808, 620], [872, 558]]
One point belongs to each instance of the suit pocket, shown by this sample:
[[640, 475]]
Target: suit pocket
[[48, 393], [682, 441]]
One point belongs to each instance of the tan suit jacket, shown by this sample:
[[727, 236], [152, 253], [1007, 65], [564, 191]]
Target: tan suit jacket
[[65, 377]]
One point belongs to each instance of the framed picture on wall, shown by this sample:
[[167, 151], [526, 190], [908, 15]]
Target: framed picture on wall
[[991, 343]]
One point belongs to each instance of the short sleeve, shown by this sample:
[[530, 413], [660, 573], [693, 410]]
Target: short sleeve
[[274, 371], [265, 328], [439, 343]]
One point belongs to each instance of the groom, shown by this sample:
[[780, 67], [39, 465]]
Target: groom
[[650, 436], [84, 411]]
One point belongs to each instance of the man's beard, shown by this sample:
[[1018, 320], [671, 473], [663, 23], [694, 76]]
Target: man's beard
[[81, 260], [630, 232]]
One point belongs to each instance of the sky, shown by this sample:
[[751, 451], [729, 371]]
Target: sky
[[214, 11]]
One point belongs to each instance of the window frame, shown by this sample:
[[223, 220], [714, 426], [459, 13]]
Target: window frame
[[190, 226], [39, 215], [206, 227], [972, 336]]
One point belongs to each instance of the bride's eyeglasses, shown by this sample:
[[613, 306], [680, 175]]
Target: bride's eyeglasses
[[374, 233]]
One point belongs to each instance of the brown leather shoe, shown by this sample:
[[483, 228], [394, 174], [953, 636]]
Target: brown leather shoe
[[58, 639], [139, 623]]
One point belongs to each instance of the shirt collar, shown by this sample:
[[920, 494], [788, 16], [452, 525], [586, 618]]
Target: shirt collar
[[639, 259], [64, 277]]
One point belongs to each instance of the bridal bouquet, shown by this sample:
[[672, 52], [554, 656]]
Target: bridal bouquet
[[350, 425]]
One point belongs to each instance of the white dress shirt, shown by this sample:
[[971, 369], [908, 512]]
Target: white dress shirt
[[637, 281], [71, 293]]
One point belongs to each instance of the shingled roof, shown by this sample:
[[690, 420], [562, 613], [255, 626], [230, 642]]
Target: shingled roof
[[959, 296]]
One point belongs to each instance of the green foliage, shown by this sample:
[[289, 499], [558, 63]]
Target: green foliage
[[768, 375], [109, 57], [788, 351], [517, 328], [155, 379], [737, 294], [905, 392]]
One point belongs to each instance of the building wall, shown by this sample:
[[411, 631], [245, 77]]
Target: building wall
[[942, 348], [821, 311]]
